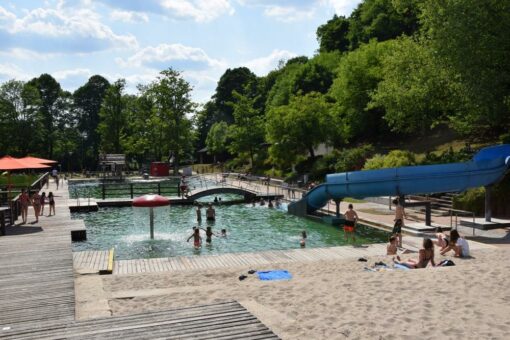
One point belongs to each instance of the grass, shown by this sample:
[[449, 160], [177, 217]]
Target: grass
[[353, 200], [18, 180]]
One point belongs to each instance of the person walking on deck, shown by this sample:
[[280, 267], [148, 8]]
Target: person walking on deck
[[36, 203], [24, 200]]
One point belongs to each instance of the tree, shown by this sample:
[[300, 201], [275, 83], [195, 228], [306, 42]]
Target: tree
[[247, 132], [239, 79], [87, 103], [382, 20], [298, 127], [217, 139], [171, 97], [471, 39], [49, 92], [21, 122], [415, 92], [112, 118], [358, 75], [333, 35]]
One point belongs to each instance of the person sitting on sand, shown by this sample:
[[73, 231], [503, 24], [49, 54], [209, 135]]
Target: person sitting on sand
[[210, 213], [208, 233], [442, 240], [426, 255], [197, 239], [458, 244], [351, 218], [391, 249]]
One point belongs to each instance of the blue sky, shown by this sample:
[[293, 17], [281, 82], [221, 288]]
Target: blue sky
[[135, 39]]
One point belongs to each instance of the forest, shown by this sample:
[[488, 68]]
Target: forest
[[394, 71]]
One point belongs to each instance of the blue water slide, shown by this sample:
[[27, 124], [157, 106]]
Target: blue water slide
[[488, 166]]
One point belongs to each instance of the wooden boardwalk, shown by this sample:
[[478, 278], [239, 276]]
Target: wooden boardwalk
[[228, 320], [264, 258], [95, 261], [36, 269]]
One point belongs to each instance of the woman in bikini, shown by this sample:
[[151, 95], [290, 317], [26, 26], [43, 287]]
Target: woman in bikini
[[51, 201], [426, 255], [24, 200], [36, 203], [43, 202]]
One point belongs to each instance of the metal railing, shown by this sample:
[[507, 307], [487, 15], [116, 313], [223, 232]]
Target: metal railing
[[456, 213]]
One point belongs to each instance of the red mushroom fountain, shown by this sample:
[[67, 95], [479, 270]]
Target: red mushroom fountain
[[151, 201]]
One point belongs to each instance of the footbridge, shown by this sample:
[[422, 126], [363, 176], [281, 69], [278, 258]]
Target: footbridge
[[247, 194]]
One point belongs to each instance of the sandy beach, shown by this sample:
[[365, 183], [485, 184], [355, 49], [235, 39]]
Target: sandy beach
[[331, 299]]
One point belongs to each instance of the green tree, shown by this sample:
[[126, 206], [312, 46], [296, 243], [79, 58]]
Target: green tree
[[49, 92], [247, 132], [358, 75], [298, 128], [415, 92], [239, 79], [394, 159], [112, 118], [217, 139], [333, 35], [471, 39], [87, 103], [21, 122], [382, 20], [171, 98]]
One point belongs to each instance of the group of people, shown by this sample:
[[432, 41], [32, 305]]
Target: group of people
[[454, 242], [210, 215], [38, 201], [270, 203]]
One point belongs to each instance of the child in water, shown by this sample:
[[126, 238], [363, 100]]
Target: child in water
[[208, 233], [197, 239], [223, 233]]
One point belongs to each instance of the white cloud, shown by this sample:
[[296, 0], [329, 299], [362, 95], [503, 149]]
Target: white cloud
[[129, 16], [261, 66], [70, 28], [24, 54], [11, 71], [78, 72], [342, 7], [289, 14], [198, 10], [167, 53]]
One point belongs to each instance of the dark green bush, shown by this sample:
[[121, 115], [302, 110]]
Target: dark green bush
[[394, 159], [353, 159]]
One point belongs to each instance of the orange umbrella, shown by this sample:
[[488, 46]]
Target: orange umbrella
[[11, 163], [38, 160]]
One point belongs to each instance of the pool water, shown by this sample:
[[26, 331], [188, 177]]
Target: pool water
[[248, 229]]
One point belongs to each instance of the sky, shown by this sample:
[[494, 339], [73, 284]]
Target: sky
[[136, 39]]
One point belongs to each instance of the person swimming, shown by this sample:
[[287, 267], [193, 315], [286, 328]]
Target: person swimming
[[223, 233]]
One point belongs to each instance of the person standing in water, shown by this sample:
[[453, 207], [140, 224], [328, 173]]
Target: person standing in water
[[210, 214], [199, 213], [351, 218], [208, 235], [197, 239]]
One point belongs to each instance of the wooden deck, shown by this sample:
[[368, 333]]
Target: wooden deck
[[36, 269], [94, 261], [228, 320], [170, 264]]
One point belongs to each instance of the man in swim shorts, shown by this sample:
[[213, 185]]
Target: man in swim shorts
[[351, 217]]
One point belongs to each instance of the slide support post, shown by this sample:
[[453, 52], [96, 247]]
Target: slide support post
[[337, 205], [428, 219], [488, 211]]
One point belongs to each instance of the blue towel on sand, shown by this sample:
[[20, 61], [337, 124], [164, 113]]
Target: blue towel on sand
[[273, 275], [400, 266]]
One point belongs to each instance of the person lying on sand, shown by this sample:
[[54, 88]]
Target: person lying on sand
[[426, 255]]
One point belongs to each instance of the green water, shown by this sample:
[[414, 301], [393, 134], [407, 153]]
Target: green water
[[248, 229]]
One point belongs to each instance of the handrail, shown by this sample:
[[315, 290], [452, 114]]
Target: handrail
[[457, 212]]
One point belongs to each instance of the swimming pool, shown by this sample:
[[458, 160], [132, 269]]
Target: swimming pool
[[248, 228]]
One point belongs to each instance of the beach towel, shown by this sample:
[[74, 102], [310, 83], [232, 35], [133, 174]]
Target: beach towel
[[400, 266], [274, 275]]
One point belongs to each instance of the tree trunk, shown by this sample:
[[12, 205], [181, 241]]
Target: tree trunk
[[311, 151]]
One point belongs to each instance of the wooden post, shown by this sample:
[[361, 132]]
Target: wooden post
[[131, 189]]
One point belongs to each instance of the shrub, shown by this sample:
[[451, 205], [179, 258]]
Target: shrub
[[353, 159], [471, 200], [394, 159]]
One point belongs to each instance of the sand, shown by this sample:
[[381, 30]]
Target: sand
[[335, 299]]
